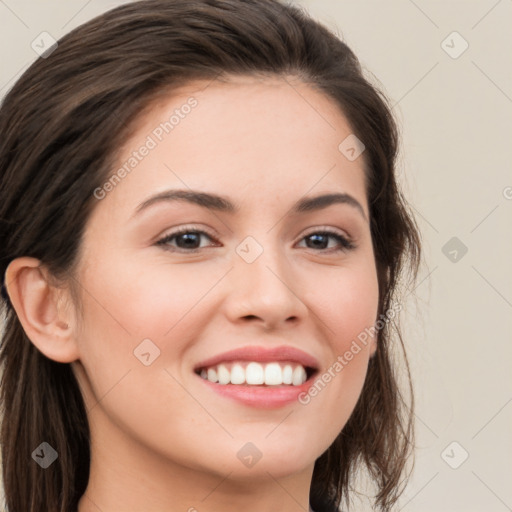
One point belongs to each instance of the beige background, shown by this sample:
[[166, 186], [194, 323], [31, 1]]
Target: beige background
[[455, 113]]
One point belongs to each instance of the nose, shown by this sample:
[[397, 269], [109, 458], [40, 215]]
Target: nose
[[265, 292]]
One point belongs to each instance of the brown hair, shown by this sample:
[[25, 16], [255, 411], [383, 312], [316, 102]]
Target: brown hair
[[60, 128]]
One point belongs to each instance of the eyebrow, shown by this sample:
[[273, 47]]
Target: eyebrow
[[223, 204]]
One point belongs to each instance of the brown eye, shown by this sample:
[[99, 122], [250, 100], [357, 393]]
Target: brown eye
[[320, 240], [188, 240]]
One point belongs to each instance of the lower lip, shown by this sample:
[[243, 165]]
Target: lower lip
[[268, 397]]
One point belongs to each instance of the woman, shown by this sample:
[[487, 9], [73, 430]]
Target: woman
[[201, 239]]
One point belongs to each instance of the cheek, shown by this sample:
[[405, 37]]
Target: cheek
[[145, 300], [347, 302], [124, 306], [128, 303]]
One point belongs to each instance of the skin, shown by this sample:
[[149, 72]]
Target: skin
[[161, 440]]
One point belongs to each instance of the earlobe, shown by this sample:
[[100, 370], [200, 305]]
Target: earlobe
[[38, 305]]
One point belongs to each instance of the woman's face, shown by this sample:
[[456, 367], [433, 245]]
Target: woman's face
[[250, 270]]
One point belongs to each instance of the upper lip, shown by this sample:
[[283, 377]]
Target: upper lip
[[262, 354]]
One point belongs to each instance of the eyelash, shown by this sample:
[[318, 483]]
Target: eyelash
[[345, 243]]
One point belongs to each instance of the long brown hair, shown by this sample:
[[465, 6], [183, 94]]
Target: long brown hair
[[60, 128]]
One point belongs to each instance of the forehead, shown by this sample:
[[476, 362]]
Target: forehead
[[256, 138]]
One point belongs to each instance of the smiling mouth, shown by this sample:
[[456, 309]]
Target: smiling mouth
[[256, 374]]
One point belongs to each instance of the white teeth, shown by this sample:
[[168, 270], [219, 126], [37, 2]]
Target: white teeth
[[287, 374], [298, 376], [224, 374], [212, 375], [255, 374], [237, 374], [273, 375]]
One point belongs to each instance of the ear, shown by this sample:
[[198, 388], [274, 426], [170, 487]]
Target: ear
[[42, 309]]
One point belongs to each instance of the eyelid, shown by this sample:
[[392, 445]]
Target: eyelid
[[185, 229], [166, 237], [349, 241], [316, 229]]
